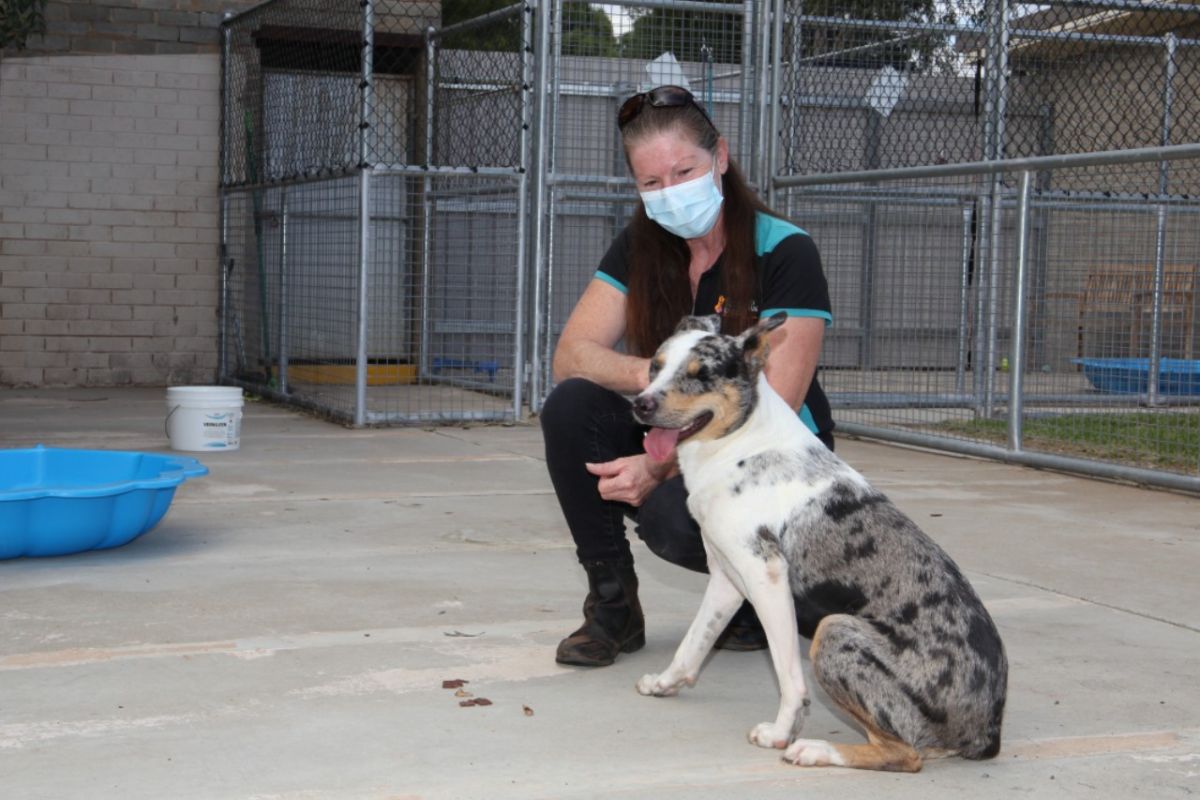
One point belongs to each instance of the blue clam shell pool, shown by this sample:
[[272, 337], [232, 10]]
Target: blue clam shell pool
[[1176, 376], [55, 501]]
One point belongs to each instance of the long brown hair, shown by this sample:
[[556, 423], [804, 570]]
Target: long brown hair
[[659, 292]]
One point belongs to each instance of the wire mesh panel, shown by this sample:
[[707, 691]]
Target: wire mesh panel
[[598, 58], [925, 345], [373, 183], [450, 326]]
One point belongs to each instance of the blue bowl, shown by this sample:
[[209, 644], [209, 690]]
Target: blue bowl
[[55, 501], [1176, 376]]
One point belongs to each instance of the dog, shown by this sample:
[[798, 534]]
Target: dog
[[900, 640]]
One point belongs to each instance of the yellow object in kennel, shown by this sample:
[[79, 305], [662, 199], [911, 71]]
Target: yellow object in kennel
[[345, 374]]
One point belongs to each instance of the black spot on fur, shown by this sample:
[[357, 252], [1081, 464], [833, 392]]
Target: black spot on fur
[[766, 544], [868, 658], [978, 680], [864, 550], [897, 640], [825, 598], [982, 638], [932, 714], [907, 613], [945, 679], [934, 599], [844, 499]]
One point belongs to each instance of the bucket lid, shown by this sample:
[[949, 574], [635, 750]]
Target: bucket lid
[[206, 394], [221, 391]]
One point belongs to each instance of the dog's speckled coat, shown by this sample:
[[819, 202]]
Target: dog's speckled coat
[[901, 641]]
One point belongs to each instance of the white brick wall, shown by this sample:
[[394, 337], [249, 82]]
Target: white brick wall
[[108, 220]]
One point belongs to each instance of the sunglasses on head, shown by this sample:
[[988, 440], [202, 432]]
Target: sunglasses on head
[[662, 97]]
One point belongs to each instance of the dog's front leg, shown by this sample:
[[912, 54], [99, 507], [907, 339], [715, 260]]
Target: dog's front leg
[[768, 590], [721, 600]]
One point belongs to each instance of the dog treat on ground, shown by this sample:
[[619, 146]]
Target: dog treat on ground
[[528, 711], [457, 683], [475, 701], [462, 693]]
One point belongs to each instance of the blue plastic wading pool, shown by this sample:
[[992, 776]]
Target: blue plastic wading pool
[[1176, 376], [55, 501]]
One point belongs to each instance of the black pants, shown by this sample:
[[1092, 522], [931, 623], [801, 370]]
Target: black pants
[[583, 422]]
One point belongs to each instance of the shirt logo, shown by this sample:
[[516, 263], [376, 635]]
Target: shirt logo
[[719, 308]]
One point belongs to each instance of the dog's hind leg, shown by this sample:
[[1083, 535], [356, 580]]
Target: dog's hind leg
[[852, 663], [721, 600]]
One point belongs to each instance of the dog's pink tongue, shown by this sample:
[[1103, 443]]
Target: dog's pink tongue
[[660, 442]]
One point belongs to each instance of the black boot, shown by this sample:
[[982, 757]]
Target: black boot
[[744, 631], [612, 617]]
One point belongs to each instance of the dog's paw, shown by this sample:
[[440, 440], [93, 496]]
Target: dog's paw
[[768, 734], [812, 753], [652, 686]]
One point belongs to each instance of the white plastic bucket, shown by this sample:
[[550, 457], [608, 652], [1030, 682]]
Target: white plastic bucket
[[204, 417]]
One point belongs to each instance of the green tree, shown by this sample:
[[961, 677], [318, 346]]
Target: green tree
[[701, 36], [586, 30], [20, 19]]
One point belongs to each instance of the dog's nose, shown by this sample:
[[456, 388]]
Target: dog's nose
[[644, 405]]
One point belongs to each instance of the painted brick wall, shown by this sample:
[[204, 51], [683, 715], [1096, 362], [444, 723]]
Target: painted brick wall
[[108, 219]]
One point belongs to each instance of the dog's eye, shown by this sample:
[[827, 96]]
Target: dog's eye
[[703, 373]]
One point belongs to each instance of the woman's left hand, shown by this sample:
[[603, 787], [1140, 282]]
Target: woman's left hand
[[628, 480]]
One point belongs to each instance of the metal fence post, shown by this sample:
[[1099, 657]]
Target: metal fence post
[[223, 329], [424, 364], [282, 334], [1171, 44], [1016, 378], [776, 95], [997, 113], [763, 97], [364, 212], [745, 106], [539, 164], [521, 370], [964, 304]]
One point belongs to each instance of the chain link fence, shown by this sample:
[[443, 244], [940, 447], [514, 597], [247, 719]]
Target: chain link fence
[[1067, 339], [481, 140]]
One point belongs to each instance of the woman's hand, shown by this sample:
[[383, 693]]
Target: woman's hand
[[630, 479]]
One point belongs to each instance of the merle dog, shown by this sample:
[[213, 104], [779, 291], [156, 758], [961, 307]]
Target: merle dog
[[900, 640]]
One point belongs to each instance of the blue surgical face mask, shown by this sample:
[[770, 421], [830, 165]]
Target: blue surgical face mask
[[687, 209]]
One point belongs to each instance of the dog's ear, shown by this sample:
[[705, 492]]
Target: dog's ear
[[754, 339], [708, 324]]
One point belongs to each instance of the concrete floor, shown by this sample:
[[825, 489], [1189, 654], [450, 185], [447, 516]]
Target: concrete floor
[[285, 631]]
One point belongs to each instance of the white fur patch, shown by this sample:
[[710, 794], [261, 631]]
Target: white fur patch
[[675, 358], [813, 753]]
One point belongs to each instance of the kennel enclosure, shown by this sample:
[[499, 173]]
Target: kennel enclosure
[[1004, 197]]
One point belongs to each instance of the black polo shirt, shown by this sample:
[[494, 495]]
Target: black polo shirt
[[790, 279]]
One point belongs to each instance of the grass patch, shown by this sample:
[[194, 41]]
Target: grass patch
[[1155, 440]]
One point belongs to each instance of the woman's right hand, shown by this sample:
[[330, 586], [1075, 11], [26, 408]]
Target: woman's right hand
[[628, 480]]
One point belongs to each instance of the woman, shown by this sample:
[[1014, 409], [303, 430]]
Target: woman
[[700, 242]]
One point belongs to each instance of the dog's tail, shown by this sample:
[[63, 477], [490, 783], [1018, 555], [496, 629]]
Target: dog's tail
[[987, 745]]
